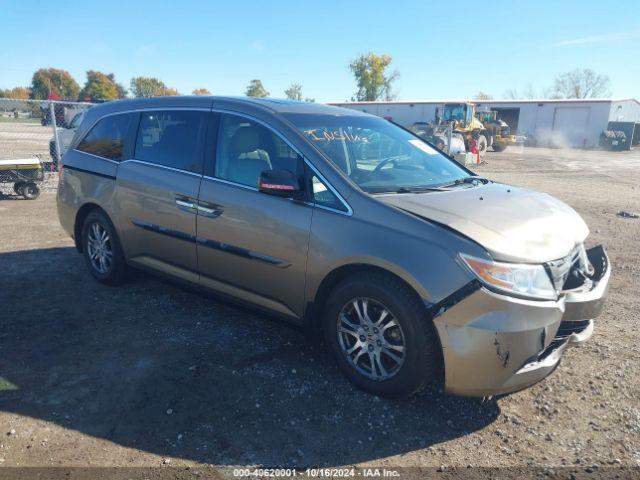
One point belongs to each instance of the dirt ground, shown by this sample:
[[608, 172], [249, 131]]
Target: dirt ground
[[154, 375], [24, 140]]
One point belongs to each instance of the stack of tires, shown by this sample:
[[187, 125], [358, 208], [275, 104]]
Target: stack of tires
[[615, 140]]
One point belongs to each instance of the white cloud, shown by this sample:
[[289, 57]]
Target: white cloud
[[603, 38]]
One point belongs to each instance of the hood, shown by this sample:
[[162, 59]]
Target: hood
[[513, 224]]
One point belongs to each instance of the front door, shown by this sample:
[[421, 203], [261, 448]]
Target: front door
[[251, 245], [157, 192]]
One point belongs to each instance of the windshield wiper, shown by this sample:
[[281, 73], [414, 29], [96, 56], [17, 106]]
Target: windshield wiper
[[419, 189], [437, 188], [483, 181], [466, 180]]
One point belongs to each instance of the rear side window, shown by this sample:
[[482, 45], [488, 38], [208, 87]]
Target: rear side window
[[107, 138], [171, 138]]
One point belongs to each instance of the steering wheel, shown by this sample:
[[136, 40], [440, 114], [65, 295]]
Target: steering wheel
[[384, 162]]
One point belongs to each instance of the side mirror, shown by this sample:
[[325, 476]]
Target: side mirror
[[281, 183]]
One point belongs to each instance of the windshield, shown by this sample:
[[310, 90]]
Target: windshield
[[75, 123], [486, 116], [453, 113], [376, 154]]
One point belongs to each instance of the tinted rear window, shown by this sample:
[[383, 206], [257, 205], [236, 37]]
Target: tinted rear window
[[107, 138], [171, 138]]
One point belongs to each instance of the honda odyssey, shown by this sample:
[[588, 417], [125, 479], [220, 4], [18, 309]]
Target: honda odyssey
[[414, 269]]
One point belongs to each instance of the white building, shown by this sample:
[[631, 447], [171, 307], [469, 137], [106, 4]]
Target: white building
[[558, 123]]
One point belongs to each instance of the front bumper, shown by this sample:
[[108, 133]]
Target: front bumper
[[494, 343]]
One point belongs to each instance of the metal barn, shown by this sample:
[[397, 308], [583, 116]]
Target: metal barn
[[554, 123]]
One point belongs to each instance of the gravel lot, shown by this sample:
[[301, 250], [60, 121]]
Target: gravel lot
[[153, 375]]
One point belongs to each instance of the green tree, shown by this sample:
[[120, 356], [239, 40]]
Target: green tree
[[201, 91], [256, 89], [294, 92], [370, 72], [146, 86], [483, 96], [581, 83], [55, 84], [150, 87], [99, 86]]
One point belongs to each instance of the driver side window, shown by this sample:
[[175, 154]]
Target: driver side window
[[246, 148]]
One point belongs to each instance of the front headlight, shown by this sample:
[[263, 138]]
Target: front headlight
[[521, 279]]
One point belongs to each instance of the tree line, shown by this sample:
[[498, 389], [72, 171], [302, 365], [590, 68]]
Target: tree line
[[57, 84], [372, 73], [578, 83]]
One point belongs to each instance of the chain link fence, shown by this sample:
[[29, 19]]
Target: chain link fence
[[34, 134]]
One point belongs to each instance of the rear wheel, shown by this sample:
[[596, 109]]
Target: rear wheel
[[102, 251], [30, 191], [379, 333], [499, 147], [17, 187]]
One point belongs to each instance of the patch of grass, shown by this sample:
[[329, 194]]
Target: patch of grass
[[18, 120]]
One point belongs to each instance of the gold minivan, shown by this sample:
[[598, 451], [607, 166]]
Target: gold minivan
[[413, 269]]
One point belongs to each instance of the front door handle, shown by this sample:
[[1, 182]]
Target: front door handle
[[210, 210], [185, 203]]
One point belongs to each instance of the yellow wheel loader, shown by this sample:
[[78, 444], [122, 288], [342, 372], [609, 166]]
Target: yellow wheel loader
[[498, 131], [470, 126]]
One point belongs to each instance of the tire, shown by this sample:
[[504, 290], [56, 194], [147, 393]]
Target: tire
[[421, 359], [482, 144], [112, 269], [497, 147], [30, 191], [17, 187]]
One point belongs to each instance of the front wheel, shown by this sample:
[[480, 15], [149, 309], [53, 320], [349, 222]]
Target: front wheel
[[482, 145], [102, 251], [381, 336]]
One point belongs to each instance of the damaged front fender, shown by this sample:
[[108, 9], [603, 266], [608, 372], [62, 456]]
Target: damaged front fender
[[494, 343]]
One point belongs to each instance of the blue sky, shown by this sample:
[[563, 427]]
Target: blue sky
[[441, 50]]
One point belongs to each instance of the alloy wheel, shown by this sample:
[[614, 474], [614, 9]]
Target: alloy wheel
[[99, 248], [371, 338]]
